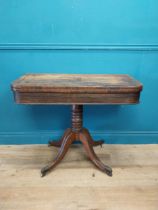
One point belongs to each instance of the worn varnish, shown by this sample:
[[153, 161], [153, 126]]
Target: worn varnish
[[76, 88]]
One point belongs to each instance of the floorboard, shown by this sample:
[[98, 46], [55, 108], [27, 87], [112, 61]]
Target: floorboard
[[76, 184]]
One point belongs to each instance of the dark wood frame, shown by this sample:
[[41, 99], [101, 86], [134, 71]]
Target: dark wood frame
[[75, 133]]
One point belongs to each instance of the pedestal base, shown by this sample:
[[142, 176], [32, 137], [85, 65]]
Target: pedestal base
[[76, 133]]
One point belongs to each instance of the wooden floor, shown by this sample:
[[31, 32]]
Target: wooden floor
[[76, 184]]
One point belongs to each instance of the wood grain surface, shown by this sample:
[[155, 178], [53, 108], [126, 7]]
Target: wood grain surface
[[76, 89], [72, 83], [76, 184]]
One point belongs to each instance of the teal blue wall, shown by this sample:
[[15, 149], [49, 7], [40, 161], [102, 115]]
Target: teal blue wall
[[78, 36]]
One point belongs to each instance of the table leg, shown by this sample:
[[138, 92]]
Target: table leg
[[88, 136], [77, 132], [91, 154], [67, 141], [59, 143]]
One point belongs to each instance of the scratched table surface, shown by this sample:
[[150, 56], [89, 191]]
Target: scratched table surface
[[76, 89], [76, 82]]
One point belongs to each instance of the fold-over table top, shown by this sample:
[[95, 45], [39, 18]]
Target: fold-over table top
[[76, 83], [76, 89]]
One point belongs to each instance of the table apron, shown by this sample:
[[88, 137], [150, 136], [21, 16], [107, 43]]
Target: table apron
[[79, 98]]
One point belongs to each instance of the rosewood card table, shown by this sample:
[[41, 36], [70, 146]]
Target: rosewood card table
[[76, 90]]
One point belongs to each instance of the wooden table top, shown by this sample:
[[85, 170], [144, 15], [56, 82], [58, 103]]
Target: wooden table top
[[92, 83], [76, 88]]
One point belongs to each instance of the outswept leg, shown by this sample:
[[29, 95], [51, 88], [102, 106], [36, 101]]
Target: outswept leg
[[67, 141], [59, 143], [76, 132], [88, 136], [93, 157]]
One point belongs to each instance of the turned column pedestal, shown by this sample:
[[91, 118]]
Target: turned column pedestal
[[77, 133]]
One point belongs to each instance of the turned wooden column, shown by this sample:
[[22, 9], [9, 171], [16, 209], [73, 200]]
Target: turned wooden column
[[77, 116]]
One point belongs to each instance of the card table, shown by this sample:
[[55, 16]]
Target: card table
[[76, 90]]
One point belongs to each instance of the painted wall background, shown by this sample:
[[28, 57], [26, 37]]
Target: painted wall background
[[77, 36]]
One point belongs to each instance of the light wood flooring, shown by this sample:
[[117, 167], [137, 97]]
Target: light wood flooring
[[76, 184]]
